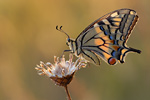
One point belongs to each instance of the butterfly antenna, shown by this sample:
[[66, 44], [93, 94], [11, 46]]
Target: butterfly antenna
[[60, 29]]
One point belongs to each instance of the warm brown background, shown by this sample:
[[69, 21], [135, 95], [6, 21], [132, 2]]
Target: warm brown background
[[28, 35]]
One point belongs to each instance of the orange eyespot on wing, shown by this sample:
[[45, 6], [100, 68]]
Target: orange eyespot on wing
[[112, 61]]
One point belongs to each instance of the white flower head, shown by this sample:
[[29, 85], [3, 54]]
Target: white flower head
[[61, 71]]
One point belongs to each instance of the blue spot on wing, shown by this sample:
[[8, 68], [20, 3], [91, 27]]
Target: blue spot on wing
[[101, 27], [105, 33], [111, 37], [113, 53]]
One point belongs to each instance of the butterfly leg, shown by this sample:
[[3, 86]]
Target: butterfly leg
[[64, 51], [88, 64]]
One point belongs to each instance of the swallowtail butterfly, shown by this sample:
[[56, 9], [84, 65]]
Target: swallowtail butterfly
[[105, 38]]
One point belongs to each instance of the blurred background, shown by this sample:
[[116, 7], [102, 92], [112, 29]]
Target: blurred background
[[28, 36]]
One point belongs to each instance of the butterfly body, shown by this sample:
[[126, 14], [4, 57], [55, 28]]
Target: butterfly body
[[106, 38]]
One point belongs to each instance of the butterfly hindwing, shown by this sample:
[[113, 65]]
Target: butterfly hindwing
[[106, 37]]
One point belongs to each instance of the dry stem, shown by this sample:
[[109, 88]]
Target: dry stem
[[68, 94]]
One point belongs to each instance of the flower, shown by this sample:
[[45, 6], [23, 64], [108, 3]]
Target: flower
[[61, 71]]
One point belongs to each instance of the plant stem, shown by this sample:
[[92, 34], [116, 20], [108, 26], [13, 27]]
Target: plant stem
[[68, 94]]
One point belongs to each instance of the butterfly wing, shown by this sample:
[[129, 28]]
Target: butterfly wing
[[106, 37]]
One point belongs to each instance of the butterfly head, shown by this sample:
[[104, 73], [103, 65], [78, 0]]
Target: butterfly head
[[71, 43], [68, 41]]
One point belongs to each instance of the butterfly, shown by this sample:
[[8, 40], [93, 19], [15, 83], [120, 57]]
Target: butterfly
[[105, 38]]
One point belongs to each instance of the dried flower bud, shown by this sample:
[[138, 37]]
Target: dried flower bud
[[61, 71]]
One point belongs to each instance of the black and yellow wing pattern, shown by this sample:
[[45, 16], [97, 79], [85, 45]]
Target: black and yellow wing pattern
[[107, 36]]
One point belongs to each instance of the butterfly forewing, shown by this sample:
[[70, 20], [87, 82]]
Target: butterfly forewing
[[106, 37]]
